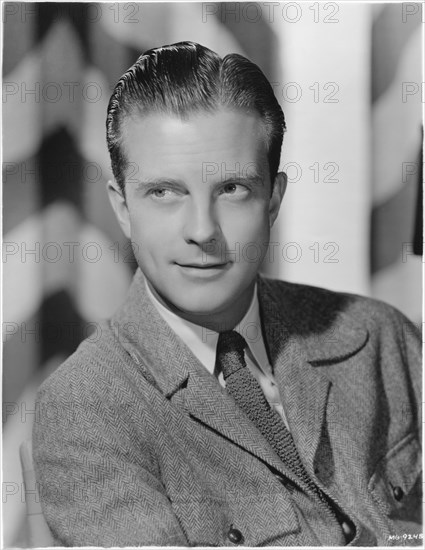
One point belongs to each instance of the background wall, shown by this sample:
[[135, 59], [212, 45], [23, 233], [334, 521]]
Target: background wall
[[349, 80]]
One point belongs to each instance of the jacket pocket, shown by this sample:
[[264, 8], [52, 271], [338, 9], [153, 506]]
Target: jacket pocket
[[396, 482], [238, 520]]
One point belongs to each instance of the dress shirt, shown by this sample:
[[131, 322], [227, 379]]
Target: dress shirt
[[202, 342]]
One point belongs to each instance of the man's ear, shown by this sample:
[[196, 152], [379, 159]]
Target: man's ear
[[120, 207], [279, 189]]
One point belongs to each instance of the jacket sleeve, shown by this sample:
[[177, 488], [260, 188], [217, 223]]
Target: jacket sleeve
[[99, 485]]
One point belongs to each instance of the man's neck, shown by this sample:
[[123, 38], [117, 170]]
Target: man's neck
[[217, 321]]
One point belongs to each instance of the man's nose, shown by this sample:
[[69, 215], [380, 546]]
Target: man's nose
[[201, 224]]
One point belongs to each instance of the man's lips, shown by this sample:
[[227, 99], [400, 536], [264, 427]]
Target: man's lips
[[203, 265]]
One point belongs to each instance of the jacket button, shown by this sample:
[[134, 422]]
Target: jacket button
[[235, 536], [398, 493]]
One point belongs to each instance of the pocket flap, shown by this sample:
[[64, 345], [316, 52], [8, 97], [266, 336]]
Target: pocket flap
[[261, 520]]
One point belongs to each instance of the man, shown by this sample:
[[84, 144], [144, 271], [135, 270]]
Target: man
[[219, 408]]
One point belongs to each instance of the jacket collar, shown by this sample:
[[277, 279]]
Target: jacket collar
[[324, 332], [315, 318]]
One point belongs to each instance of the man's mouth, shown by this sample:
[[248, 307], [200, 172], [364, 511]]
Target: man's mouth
[[203, 265]]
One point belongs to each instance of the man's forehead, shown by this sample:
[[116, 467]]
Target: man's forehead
[[219, 142], [222, 120]]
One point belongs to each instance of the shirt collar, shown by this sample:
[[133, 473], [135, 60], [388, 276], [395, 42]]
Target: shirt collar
[[203, 342]]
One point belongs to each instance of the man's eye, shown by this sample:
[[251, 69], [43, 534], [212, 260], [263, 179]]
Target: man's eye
[[230, 188], [161, 193], [235, 189]]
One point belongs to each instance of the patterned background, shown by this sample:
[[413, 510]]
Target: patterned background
[[348, 77]]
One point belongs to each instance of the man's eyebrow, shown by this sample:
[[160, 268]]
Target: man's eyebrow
[[152, 182], [253, 179]]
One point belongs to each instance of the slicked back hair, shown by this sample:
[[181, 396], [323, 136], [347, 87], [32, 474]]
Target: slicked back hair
[[185, 78]]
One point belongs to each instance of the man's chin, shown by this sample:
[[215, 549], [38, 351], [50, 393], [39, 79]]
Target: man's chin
[[203, 305], [203, 309]]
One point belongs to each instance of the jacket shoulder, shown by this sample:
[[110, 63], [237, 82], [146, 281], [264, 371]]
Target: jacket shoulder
[[311, 302], [326, 321], [90, 369]]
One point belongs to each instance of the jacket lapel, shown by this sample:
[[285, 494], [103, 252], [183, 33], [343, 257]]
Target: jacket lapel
[[204, 399], [300, 337], [304, 392]]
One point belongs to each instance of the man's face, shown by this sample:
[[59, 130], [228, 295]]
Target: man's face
[[199, 208]]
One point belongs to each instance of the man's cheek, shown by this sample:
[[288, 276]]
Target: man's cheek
[[240, 227]]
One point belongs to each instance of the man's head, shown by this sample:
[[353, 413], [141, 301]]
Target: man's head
[[187, 78], [195, 150]]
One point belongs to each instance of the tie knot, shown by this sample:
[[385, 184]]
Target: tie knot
[[230, 352], [231, 340]]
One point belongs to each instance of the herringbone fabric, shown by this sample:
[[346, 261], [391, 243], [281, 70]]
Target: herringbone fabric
[[246, 391], [137, 444]]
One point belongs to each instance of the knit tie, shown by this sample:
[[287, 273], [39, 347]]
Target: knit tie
[[247, 392]]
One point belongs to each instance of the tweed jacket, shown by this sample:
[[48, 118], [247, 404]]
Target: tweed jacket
[[136, 444]]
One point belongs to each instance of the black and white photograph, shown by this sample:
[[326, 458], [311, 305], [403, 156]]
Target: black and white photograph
[[212, 274]]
